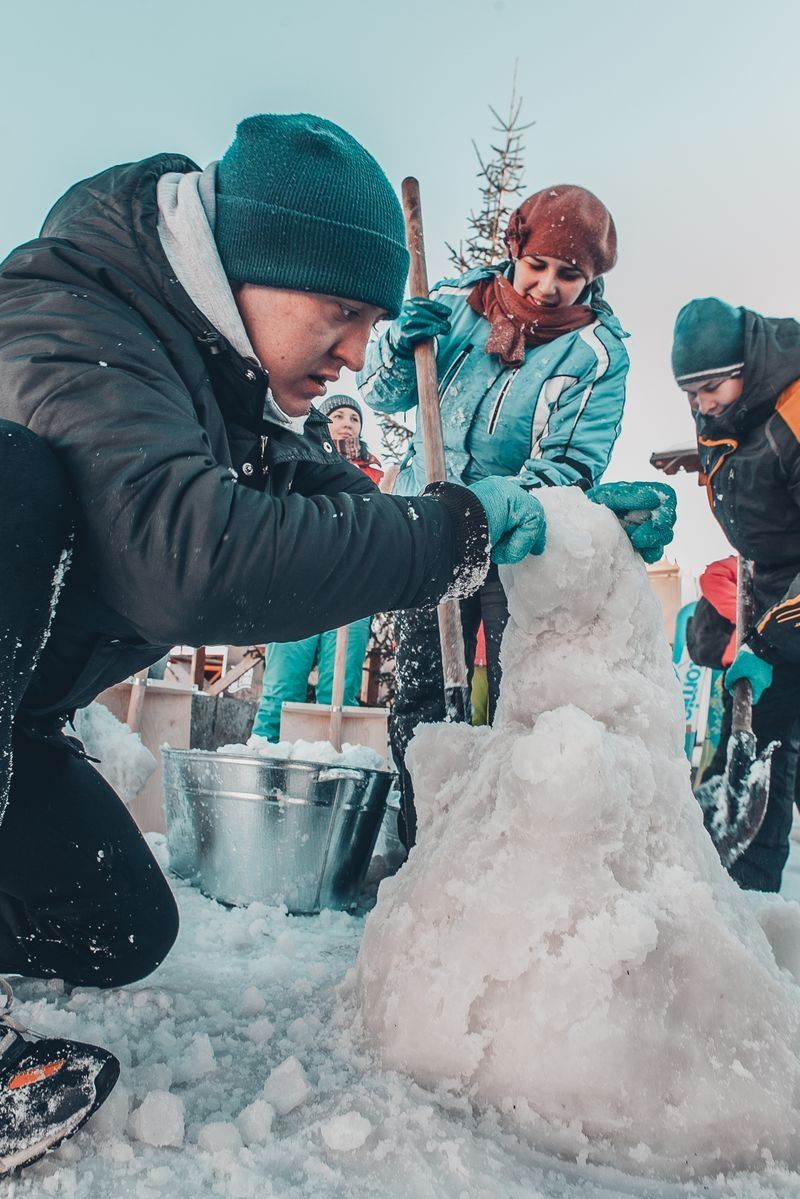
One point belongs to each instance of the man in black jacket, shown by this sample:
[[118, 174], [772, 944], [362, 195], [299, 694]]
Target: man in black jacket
[[160, 346], [741, 374], [163, 479]]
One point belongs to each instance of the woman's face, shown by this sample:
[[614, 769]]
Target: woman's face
[[547, 282], [344, 422], [713, 396]]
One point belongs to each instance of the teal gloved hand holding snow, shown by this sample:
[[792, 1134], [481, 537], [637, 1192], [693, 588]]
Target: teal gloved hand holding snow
[[419, 320], [646, 512], [748, 665], [517, 525]]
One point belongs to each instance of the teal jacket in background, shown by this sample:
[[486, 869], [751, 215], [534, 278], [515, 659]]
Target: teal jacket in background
[[554, 419]]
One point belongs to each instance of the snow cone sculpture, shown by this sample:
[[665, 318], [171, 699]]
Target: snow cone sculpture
[[563, 943]]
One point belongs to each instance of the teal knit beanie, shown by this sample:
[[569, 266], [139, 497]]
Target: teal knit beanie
[[708, 341], [301, 205]]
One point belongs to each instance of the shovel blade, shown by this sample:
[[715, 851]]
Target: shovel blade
[[735, 802]]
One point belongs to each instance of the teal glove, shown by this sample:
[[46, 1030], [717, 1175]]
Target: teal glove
[[515, 517], [419, 320], [748, 665], [646, 512]]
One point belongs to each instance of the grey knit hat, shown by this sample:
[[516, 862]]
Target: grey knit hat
[[330, 405]]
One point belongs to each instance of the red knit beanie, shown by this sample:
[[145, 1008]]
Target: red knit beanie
[[565, 222]]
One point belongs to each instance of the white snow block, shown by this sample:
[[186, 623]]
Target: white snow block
[[563, 943], [287, 1087], [219, 1136], [346, 1132], [124, 762], [197, 1061], [159, 1121], [255, 1122]]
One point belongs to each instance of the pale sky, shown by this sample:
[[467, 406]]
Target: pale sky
[[681, 116]]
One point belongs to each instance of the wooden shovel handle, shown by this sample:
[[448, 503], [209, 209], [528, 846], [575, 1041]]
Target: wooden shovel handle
[[742, 714], [337, 690], [450, 632]]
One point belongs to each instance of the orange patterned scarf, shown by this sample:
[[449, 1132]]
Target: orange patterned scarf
[[517, 324]]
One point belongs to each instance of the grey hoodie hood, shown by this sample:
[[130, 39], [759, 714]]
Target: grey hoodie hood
[[186, 217]]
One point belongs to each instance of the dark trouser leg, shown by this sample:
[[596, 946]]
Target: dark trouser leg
[[420, 698], [34, 533], [776, 717], [420, 687], [81, 896], [494, 613]]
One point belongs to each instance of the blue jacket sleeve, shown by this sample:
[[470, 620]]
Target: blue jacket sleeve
[[575, 444], [388, 383]]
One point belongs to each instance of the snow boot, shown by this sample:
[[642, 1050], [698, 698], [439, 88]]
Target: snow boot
[[49, 1087]]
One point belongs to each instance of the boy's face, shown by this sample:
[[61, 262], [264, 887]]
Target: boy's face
[[713, 396], [344, 422], [303, 340], [547, 282]]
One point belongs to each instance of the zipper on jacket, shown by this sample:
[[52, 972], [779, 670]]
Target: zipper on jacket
[[212, 341], [449, 377], [498, 404]]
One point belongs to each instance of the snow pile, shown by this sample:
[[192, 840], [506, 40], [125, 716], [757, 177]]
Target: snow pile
[[124, 762], [563, 944], [167, 1127], [322, 752]]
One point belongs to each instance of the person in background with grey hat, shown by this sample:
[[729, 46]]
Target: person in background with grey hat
[[288, 664], [741, 374], [163, 480]]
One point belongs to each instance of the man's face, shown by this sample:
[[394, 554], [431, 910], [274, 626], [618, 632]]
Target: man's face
[[303, 340], [713, 396]]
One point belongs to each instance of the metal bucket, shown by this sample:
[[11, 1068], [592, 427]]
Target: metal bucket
[[244, 828]]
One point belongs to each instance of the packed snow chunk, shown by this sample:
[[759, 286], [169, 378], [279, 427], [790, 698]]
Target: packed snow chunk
[[219, 1136], [321, 753], [160, 1121], [197, 1061], [253, 1002], [124, 762], [255, 1122], [563, 944], [287, 1087], [346, 1132], [260, 1031]]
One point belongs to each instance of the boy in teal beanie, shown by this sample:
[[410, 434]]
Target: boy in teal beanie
[[741, 374], [164, 481]]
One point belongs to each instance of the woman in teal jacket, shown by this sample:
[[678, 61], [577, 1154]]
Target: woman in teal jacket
[[532, 369]]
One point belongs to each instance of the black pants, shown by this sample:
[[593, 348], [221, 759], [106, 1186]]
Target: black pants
[[81, 896], [776, 717], [420, 688]]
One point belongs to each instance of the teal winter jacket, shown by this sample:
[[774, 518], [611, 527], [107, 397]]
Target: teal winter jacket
[[554, 419]]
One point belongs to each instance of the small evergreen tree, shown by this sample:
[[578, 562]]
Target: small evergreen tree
[[500, 189]]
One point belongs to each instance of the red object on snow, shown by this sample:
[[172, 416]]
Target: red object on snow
[[480, 647], [718, 586]]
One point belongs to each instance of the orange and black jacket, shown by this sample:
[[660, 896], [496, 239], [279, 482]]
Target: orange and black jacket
[[750, 455]]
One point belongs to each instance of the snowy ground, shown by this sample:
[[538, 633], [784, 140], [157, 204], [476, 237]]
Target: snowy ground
[[249, 990], [242, 1072]]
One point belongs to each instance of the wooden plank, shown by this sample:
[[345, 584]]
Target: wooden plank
[[247, 663]]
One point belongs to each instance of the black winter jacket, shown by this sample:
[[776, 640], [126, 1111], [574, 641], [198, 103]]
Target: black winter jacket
[[750, 455], [196, 521]]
